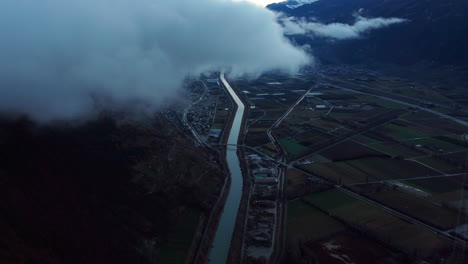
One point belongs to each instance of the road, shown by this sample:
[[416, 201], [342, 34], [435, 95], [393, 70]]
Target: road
[[403, 103], [280, 228]]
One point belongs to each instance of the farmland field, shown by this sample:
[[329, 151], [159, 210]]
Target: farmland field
[[419, 208], [395, 149], [353, 247], [369, 169], [349, 150], [440, 184], [292, 147], [398, 156], [331, 199], [436, 144], [400, 132], [304, 220], [382, 225], [439, 164]]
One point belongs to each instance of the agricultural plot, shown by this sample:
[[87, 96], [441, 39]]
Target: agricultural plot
[[449, 191], [295, 177], [349, 150], [440, 164], [325, 125], [342, 131], [387, 168], [369, 169], [331, 199], [338, 172], [400, 132], [420, 114], [458, 158], [305, 221], [312, 135], [408, 203], [255, 139], [438, 185], [365, 139], [437, 144], [443, 124], [349, 116], [292, 147], [396, 149], [381, 225], [354, 248], [385, 103]]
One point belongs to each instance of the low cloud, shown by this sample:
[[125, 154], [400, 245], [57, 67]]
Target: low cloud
[[58, 56], [338, 31]]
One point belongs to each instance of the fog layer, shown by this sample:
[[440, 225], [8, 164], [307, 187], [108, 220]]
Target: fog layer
[[339, 31], [58, 56]]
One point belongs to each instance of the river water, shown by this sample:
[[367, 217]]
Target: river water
[[222, 241]]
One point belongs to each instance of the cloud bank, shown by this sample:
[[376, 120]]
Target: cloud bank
[[338, 31], [58, 56]]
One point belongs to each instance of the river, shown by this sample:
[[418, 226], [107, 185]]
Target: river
[[222, 241]]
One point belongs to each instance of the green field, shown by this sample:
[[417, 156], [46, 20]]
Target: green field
[[331, 199], [180, 239], [365, 139], [292, 146], [419, 208], [438, 164], [436, 185], [304, 220], [400, 132], [385, 103], [420, 115], [325, 124], [435, 144], [336, 172], [395, 149]]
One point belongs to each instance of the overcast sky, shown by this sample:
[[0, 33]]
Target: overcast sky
[[261, 2]]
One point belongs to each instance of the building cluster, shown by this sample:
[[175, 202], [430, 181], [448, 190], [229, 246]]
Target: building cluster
[[202, 113], [263, 206]]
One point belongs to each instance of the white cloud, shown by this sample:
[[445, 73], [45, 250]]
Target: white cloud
[[57, 55], [337, 30]]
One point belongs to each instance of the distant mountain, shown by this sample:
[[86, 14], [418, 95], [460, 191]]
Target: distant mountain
[[291, 4], [437, 32]]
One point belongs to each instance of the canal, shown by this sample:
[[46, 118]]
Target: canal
[[222, 241]]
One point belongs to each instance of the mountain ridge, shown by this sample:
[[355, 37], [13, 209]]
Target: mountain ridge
[[436, 32]]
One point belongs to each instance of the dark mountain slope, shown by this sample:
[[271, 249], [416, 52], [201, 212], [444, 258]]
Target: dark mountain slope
[[97, 193], [437, 32]]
